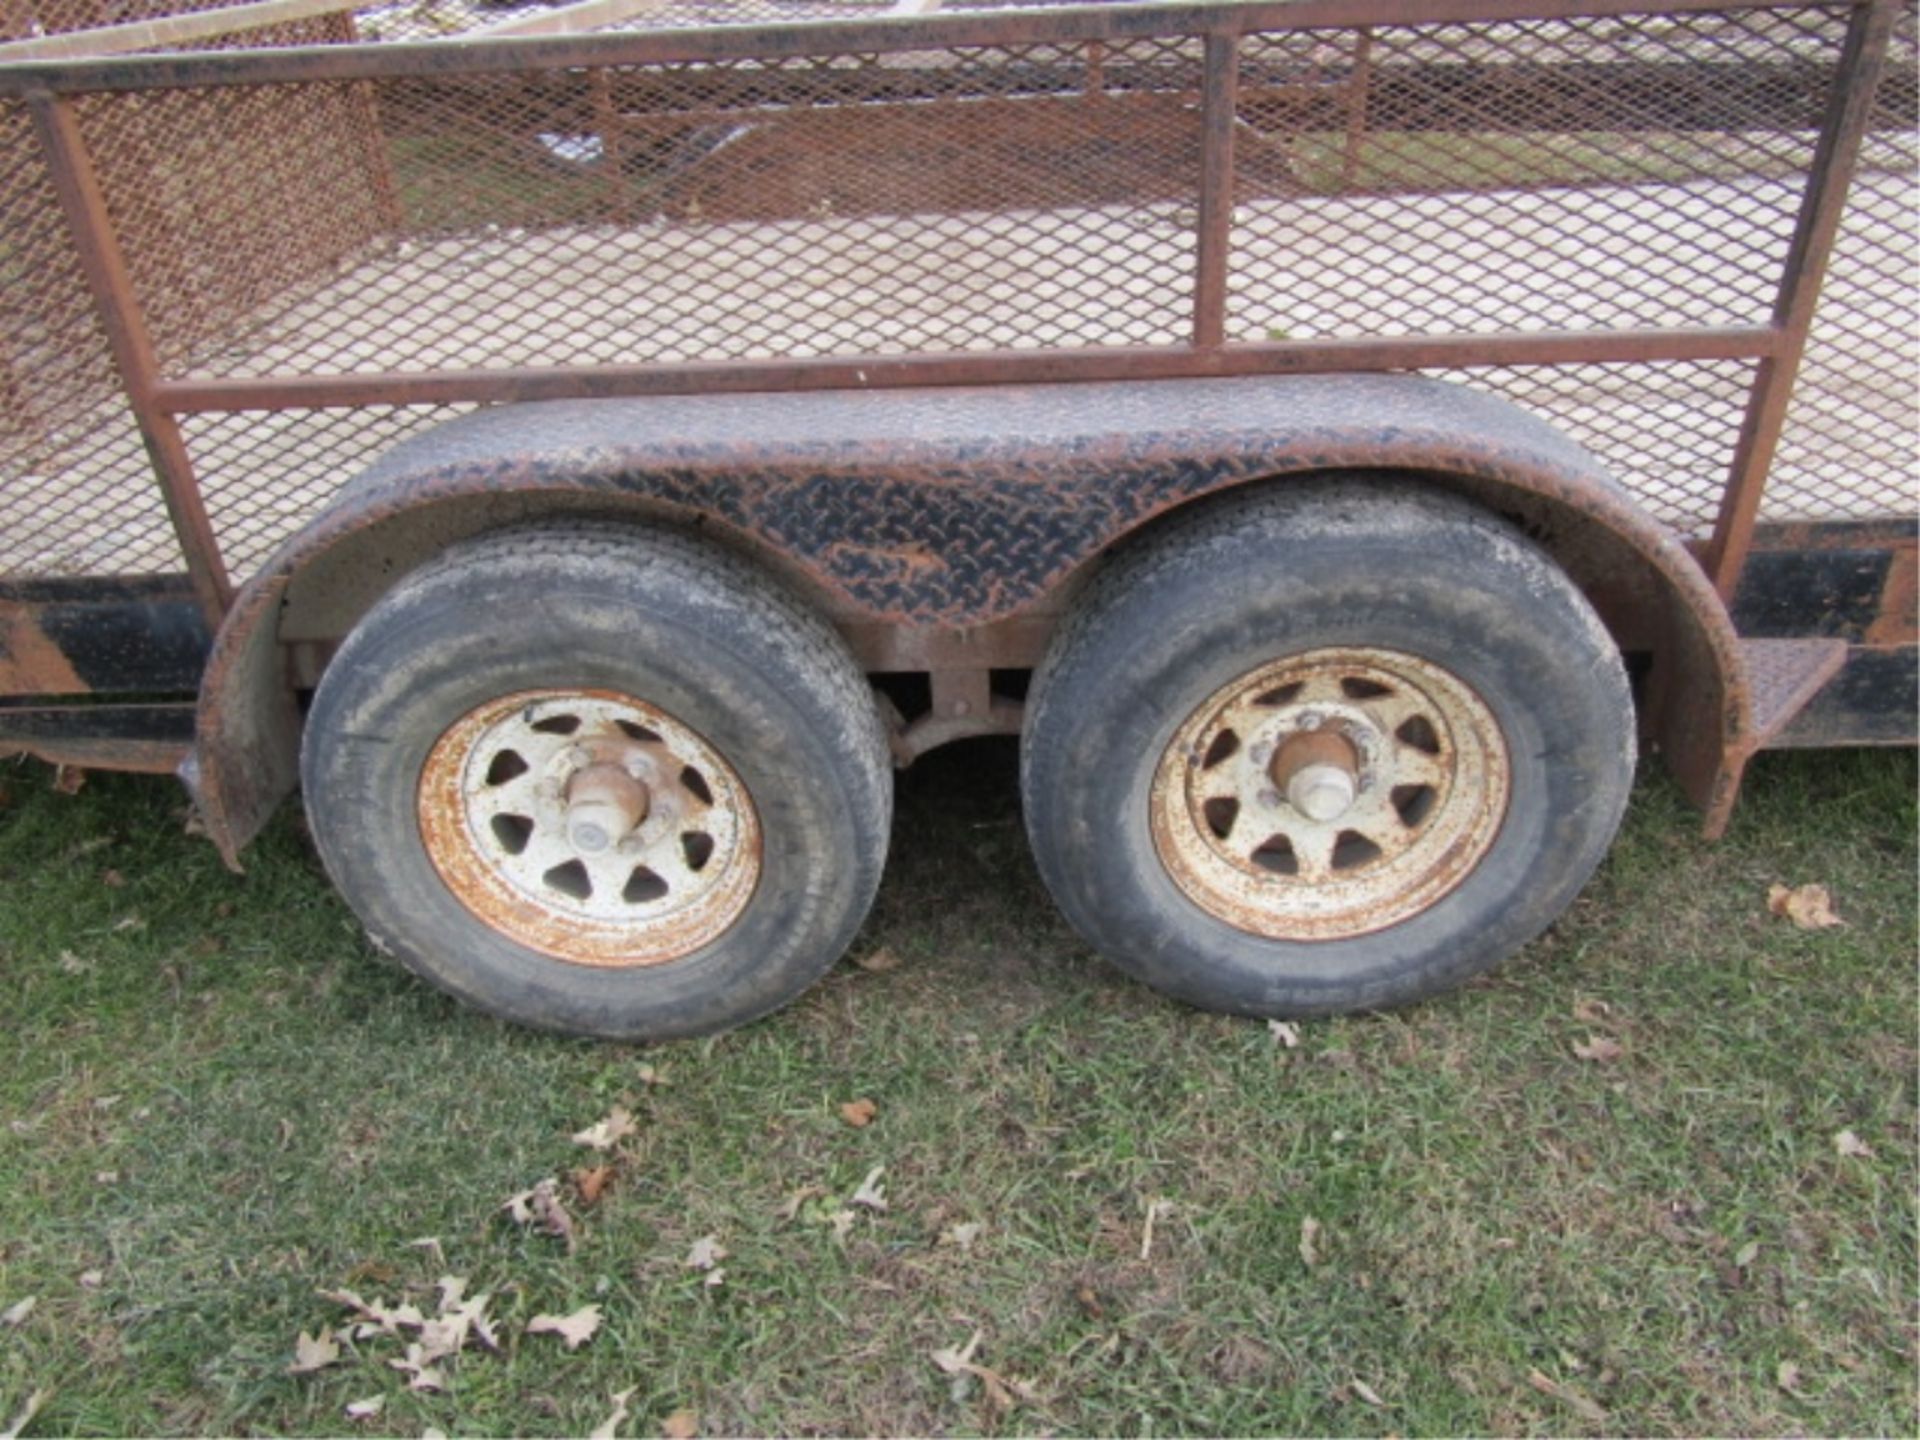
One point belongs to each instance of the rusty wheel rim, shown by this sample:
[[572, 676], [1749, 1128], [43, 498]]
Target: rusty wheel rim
[[1330, 794], [589, 826]]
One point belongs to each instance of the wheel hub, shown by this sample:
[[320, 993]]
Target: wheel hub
[[590, 826], [1330, 794], [1318, 771], [604, 805]]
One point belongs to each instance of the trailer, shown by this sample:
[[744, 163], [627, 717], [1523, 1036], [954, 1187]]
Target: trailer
[[585, 448]]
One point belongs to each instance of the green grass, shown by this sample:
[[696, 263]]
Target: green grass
[[222, 1101]]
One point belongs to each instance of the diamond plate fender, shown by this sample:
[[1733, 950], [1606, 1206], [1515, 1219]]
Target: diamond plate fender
[[949, 509]]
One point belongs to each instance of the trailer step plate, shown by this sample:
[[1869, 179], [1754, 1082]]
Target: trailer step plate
[[1785, 675]]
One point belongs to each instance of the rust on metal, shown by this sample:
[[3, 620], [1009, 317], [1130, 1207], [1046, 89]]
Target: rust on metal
[[1850, 110], [1055, 475], [1011, 27], [1411, 793], [514, 807], [99, 252], [1218, 119], [1040, 367], [291, 257]]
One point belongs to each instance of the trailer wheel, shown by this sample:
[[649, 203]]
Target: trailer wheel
[[600, 780], [1326, 747]]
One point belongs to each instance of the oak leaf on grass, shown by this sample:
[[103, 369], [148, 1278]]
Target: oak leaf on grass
[[311, 1353], [607, 1133], [1601, 1049], [610, 1427], [1809, 907], [574, 1330]]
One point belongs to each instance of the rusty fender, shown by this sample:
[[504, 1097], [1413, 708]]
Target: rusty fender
[[947, 509]]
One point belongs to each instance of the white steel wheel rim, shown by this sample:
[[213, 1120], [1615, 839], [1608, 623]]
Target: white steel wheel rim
[[589, 826], [1330, 794]]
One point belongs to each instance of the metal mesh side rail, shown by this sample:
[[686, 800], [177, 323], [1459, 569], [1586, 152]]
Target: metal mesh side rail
[[76, 493], [1851, 443], [263, 475], [826, 205]]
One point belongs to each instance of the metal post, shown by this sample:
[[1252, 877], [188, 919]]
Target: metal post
[[1849, 108], [1357, 86], [1217, 113], [85, 208]]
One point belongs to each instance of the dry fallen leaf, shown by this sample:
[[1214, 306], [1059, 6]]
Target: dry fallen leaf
[[680, 1425], [589, 1183], [878, 962], [1746, 1254], [92, 1279], [1809, 907], [376, 1318], [474, 1312], [790, 1207], [859, 1113], [706, 1253], [1852, 1146], [15, 1315], [1310, 1240], [541, 1206], [366, 1409], [444, 1336], [842, 1223], [1787, 1377], [1001, 1390], [574, 1330], [1284, 1035], [1366, 1392], [311, 1353], [25, 1413], [871, 1194], [1593, 1012], [72, 964], [610, 1426], [961, 1237], [647, 1075], [419, 1371], [1580, 1404], [607, 1133], [954, 1360], [69, 779], [1598, 1048]]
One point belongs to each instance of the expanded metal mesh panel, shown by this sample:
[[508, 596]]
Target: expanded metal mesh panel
[[228, 200], [1395, 181], [1567, 174], [435, 19], [264, 474], [76, 494], [1665, 430], [828, 205], [1851, 446]]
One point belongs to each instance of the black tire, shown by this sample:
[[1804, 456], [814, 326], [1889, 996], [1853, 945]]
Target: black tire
[[1366, 561], [684, 626]]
